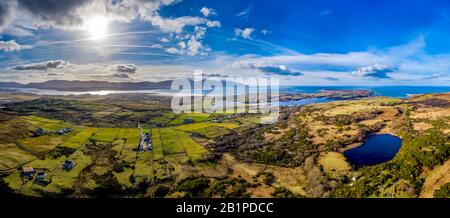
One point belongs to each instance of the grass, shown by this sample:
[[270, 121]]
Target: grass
[[164, 119], [47, 124], [197, 126], [118, 145], [11, 156], [106, 134], [47, 164], [334, 164], [79, 139], [143, 167], [174, 142], [196, 117], [131, 135], [157, 146], [29, 188], [63, 179], [124, 177], [208, 129], [42, 144]]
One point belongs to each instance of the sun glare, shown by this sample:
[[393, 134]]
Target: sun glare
[[97, 27]]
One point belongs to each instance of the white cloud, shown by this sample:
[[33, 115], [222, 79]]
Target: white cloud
[[164, 39], [200, 32], [282, 70], [214, 23], [156, 46], [12, 45], [7, 13], [61, 69], [182, 45], [173, 50], [208, 12], [244, 33], [74, 15], [176, 25], [245, 13], [18, 31], [125, 68], [44, 66], [266, 32], [376, 70], [194, 46], [403, 63]]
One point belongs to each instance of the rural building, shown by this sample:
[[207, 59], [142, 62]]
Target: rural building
[[188, 121], [159, 125], [68, 165], [63, 131], [40, 176], [28, 171], [145, 143], [39, 132]]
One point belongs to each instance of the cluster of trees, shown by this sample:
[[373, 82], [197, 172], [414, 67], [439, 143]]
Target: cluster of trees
[[202, 187], [443, 192], [346, 119], [281, 192]]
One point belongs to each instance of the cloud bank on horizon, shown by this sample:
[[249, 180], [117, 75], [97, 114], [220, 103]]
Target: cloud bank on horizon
[[301, 42]]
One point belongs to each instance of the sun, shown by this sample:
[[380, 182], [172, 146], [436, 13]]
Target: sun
[[97, 26]]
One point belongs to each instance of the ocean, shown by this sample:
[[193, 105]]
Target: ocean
[[388, 91]]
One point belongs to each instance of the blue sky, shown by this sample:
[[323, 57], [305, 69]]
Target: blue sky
[[321, 42]]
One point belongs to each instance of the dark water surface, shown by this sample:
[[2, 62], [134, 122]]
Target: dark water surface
[[378, 148]]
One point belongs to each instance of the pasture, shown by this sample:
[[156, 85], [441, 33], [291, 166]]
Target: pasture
[[196, 117], [172, 146], [80, 138], [106, 134], [11, 156]]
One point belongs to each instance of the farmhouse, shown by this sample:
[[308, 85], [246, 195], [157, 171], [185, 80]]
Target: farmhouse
[[159, 125], [40, 176], [28, 171], [63, 131], [188, 121], [39, 132], [68, 165]]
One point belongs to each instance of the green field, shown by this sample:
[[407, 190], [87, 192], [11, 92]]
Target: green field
[[131, 137], [175, 142], [42, 144], [157, 146], [207, 129], [64, 179], [80, 138], [47, 124], [143, 166], [196, 117], [106, 134], [12, 156], [165, 119], [175, 145]]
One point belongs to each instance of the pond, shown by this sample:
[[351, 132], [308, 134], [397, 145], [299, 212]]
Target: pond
[[378, 148]]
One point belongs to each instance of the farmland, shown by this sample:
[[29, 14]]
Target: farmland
[[104, 155], [220, 155]]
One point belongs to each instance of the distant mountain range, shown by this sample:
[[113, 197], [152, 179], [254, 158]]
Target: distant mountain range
[[82, 86], [64, 85]]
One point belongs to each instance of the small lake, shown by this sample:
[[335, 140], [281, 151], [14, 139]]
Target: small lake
[[378, 148]]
